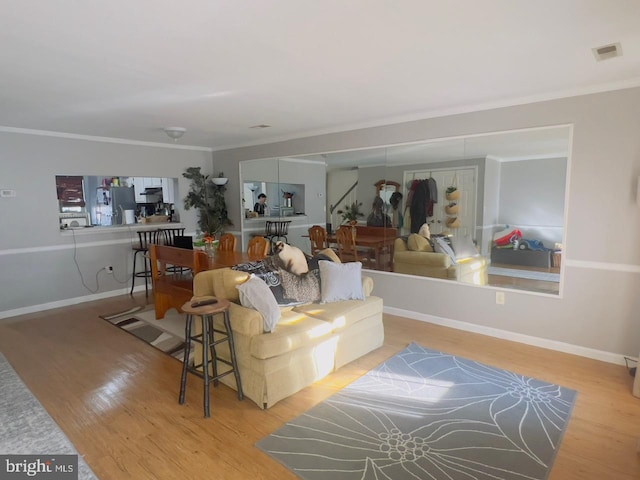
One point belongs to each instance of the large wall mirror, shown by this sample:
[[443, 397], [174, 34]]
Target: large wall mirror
[[509, 184], [496, 200]]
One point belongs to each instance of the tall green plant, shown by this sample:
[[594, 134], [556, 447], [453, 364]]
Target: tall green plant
[[208, 198], [350, 213]]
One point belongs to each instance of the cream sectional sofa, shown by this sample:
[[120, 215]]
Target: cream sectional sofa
[[472, 270], [309, 342]]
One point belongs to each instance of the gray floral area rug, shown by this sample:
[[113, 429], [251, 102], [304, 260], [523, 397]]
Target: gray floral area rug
[[425, 414], [27, 429]]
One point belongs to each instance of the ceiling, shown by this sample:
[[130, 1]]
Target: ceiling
[[124, 69]]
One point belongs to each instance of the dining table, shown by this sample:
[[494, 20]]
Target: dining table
[[375, 245], [222, 259]]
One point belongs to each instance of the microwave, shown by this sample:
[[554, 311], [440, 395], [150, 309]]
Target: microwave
[[74, 220]]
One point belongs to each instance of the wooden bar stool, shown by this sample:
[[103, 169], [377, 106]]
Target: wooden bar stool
[[207, 308]]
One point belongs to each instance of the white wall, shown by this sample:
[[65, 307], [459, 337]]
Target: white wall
[[532, 198], [599, 303], [36, 259]]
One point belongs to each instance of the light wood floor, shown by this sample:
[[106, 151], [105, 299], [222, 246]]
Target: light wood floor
[[116, 399]]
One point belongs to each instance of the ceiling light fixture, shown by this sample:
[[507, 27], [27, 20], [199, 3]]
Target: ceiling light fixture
[[175, 132]]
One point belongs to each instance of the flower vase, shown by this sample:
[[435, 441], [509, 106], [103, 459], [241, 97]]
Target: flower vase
[[210, 249]]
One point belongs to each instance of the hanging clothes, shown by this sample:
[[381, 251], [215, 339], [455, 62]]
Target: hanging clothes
[[433, 195], [420, 201]]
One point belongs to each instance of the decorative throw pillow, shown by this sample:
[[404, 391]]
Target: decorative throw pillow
[[424, 231], [464, 247], [302, 288], [268, 270], [255, 294], [440, 245], [340, 281], [312, 262], [418, 243]]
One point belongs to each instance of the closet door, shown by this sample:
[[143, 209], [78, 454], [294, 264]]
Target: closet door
[[465, 178]]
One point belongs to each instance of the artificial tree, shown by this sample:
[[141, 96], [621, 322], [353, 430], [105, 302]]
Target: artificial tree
[[208, 198]]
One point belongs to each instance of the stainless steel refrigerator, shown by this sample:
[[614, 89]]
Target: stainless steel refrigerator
[[122, 199]]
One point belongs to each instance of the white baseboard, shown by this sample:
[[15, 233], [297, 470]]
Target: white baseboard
[[66, 302], [603, 356]]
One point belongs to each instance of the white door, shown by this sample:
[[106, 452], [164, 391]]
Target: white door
[[465, 180]]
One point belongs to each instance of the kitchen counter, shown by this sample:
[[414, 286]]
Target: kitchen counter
[[292, 218], [118, 229]]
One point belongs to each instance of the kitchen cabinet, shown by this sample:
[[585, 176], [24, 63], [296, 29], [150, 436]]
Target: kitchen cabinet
[[138, 186], [142, 183], [168, 190]]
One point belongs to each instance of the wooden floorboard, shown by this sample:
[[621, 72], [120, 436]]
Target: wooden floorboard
[[116, 398]]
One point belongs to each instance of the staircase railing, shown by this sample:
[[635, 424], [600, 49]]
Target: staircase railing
[[349, 195], [333, 207]]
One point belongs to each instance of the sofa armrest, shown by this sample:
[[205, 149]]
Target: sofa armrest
[[400, 245], [367, 286], [245, 321]]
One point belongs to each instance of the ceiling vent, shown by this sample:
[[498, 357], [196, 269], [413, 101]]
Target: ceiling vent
[[262, 125], [607, 51]]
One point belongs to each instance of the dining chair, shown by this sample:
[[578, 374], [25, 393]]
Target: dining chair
[[168, 235], [227, 243], [346, 240], [258, 248], [318, 238]]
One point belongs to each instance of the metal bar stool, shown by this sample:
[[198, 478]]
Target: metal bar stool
[[207, 308], [145, 238], [276, 230]]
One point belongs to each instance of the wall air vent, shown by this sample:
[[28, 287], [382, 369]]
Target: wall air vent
[[607, 51]]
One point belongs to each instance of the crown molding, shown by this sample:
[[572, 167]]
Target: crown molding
[[94, 138]]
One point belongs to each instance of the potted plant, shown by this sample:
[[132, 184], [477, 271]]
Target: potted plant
[[350, 213], [208, 198], [452, 193]]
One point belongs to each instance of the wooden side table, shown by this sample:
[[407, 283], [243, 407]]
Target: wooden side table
[[209, 342]]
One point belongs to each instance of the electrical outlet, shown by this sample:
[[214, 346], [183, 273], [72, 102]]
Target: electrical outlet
[[108, 269], [500, 298]]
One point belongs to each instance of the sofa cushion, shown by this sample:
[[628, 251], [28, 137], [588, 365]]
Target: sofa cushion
[[344, 313], [302, 288], [440, 245], [418, 243], [463, 247], [340, 281], [255, 294], [329, 253], [294, 330]]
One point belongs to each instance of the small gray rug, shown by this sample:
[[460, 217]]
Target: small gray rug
[[529, 274], [425, 414], [25, 426]]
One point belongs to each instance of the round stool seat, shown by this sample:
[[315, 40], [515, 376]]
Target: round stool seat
[[219, 307]]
